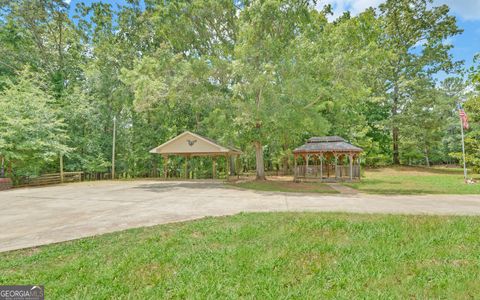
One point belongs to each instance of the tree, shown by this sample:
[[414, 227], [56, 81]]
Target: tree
[[263, 75], [31, 132], [40, 35], [266, 30], [424, 122], [472, 108], [414, 35]]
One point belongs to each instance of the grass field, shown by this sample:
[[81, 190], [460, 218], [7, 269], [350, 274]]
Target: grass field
[[264, 256], [409, 180], [286, 186]]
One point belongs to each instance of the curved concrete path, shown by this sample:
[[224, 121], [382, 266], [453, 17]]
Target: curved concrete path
[[37, 216]]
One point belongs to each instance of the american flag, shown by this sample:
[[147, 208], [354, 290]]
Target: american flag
[[463, 116]]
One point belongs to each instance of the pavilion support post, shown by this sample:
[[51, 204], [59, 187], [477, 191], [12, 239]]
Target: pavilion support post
[[186, 167], [214, 167], [165, 166]]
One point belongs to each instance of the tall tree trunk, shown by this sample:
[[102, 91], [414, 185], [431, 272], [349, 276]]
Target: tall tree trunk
[[285, 160], [259, 161], [10, 172], [155, 174], [2, 168], [395, 131], [285, 165], [396, 157], [427, 160]]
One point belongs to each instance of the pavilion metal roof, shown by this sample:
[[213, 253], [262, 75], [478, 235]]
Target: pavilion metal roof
[[327, 144]]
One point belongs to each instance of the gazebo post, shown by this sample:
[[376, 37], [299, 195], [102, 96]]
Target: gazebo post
[[359, 164], [336, 165], [165, 166], [306, 165], [227, 161], [327, 162], [350, 156], [321, 166], [232, 169], [294, 167], [341, 165]]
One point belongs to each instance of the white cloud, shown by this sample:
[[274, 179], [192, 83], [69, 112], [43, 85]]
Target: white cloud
[[466, 9]]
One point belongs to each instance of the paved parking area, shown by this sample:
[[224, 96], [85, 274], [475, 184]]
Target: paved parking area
[[37, 216]]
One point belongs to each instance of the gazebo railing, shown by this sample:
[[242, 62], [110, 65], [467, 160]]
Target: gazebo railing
[[327, 171]]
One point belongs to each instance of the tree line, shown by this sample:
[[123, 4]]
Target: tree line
[[261, 75]]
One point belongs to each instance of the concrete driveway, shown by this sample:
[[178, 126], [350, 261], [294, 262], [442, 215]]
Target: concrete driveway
[[37, 216]]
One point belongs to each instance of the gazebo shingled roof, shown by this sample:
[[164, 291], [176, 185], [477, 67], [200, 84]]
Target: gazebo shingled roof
[[323, 149], [327, 144]]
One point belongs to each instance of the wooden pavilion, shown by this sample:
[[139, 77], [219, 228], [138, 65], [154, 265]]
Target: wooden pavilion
[[325, 159], [188, 145]]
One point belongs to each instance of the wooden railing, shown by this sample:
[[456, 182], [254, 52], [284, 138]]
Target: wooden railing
[[53, 178], [93, 176], [328, 171]]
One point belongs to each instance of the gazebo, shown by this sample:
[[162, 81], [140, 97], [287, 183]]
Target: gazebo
[[325, 159], [189, 144]]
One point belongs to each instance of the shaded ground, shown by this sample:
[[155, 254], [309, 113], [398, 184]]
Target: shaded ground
[[264, 256], [280, 184], [37, 216]]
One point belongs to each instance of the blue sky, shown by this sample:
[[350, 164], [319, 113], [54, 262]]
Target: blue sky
[[467, 12]]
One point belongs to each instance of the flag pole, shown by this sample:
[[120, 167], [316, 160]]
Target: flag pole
[[113, 146], [463, 152]]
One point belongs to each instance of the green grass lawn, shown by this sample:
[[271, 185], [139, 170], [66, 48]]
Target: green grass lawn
[[406, 180], [263, 256], [286, 186]]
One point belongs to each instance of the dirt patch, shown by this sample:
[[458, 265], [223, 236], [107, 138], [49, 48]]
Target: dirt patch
[[298, 185], [280, 178], [283, 185]]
